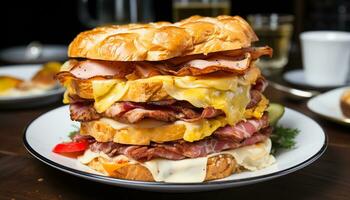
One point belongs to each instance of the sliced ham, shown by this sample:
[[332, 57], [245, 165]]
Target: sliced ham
[[255, 53], [264, 134], [90, 68], [208, 112], [118, 108], [177, 150], [219, 63], [242, 130], [235, 61]]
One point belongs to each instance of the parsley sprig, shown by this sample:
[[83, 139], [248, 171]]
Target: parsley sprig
[[283, 138]]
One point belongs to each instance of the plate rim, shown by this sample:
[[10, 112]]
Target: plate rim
[[106, 179]]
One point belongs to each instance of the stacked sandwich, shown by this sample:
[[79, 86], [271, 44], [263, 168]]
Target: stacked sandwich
[[169, 102]]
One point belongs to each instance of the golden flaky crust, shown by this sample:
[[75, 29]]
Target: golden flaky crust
[[218, 167], [345, 103], [163, 40], [103, 132]]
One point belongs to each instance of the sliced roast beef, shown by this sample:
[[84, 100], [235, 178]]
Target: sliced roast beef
[[138, 114], [178, 150], [130, 112], [81, 111]]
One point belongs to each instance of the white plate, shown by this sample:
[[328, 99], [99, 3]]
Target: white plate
[[26, 72], [50, 52], [311, 143], [328, 105], [297, 77]]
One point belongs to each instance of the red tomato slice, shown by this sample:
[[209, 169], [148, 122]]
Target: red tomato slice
[[71, 147]]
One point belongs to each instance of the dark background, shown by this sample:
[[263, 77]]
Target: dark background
[[57, 22]]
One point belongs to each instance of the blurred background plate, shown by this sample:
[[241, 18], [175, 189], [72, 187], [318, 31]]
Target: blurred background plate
[[45, 53], [26, 72], [327, 105]]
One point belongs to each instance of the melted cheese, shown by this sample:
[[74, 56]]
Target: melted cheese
[[252, 157], [142, 133], [176, 171], [230, 94], [202, 128], [258, 111]]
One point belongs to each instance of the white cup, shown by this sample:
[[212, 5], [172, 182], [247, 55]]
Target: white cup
[[326, 57]]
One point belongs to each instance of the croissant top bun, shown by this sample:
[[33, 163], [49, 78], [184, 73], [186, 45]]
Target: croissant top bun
[[163, 40]]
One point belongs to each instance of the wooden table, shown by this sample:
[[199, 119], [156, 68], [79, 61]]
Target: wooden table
[[24, 177]]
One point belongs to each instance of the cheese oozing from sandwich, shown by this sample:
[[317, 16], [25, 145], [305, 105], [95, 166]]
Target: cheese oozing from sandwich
[[252, 158], [229, 94], [146, 131]]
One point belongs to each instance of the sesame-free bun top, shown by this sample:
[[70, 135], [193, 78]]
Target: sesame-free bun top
[[163, 40]]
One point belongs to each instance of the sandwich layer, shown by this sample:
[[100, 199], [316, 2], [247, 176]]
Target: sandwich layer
[[217, 167], [81, 84], [234, 62], [230, 94], [214, 166], [147, 131], [163, 40], [166, 110]]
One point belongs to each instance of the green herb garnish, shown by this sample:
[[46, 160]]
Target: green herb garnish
[[74, 132], [283, 138]]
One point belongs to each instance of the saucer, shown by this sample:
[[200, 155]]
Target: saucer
[[297, 77]]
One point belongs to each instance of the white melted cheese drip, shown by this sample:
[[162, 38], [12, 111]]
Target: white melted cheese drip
[[252, 158], [176, 171]]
